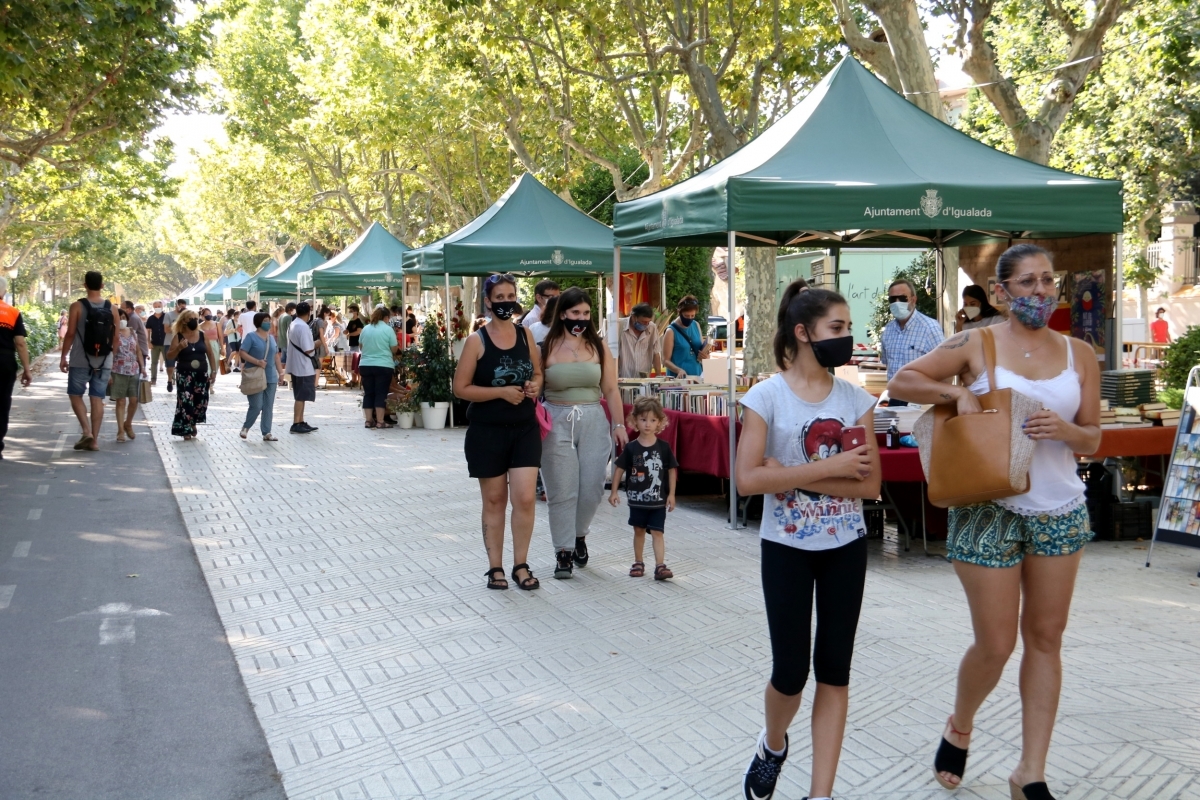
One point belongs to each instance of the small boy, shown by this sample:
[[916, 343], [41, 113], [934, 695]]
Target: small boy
[[645, 462]]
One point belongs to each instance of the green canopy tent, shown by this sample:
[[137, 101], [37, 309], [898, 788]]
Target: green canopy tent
[[529, 231], [195, 296], [215, 293], [855, 164], [239, 294], [280, 281], [372, 261]]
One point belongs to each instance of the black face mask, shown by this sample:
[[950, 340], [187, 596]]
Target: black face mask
[[833, 352], [208, 317], [193, 324], [504, 309], [576, 327]]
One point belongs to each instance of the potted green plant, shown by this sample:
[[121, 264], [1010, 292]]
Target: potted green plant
[[404, 405], [433, 372]]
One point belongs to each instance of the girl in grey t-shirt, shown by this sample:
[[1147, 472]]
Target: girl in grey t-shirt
[[813, 535]]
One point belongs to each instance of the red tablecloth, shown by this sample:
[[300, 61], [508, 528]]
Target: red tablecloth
[[1156, 441], [700, 442], [901, 466]]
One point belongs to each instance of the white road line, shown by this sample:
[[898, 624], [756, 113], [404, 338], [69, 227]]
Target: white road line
[[117, 630], [6, 593], [34, 513], [22, 549], [58, 448], [44, 489]]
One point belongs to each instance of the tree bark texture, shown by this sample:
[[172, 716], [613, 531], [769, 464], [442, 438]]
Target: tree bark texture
[[759, 274]]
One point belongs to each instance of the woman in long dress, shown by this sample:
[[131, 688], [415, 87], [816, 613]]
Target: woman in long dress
[[195, 370]]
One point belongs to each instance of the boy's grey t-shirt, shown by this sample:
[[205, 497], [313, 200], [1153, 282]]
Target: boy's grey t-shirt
[[799, 432]]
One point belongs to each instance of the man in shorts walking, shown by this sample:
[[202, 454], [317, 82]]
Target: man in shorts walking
[[299, 365], [91, 327]]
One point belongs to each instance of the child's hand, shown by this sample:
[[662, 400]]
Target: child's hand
[[614, 500], [670, 502]]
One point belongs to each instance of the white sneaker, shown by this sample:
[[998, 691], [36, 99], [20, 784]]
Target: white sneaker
[[268, 437], [244, 432]]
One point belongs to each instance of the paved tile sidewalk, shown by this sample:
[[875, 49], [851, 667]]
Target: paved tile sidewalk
[[348, 571]]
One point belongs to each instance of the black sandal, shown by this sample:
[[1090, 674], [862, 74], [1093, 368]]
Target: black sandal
[[950, 759], [1030, 791], [529, 583], [372, 425], [494, 582]]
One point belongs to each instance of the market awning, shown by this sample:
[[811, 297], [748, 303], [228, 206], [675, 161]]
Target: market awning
[[280, 281], [855, 164], [530, 231], [372, 261], [195, 295], [215, 293]]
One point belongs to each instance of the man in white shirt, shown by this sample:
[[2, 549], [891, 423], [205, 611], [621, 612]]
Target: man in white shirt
[[246, 320], [300, 366], [542, 293]]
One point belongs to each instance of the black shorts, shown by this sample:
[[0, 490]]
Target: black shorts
[[651, 519], [492, 450], [304, 388]]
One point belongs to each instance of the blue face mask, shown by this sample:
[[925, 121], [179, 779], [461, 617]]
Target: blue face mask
[[639, 326], [266, 325]]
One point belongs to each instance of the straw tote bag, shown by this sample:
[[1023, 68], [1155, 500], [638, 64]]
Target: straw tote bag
[[254, 379], [973, 458]]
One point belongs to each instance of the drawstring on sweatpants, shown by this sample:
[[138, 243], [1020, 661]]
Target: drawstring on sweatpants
[[576, 413]]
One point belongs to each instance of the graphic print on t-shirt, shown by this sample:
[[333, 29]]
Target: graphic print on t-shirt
[[802, 514], [512, 373], [646, 473]]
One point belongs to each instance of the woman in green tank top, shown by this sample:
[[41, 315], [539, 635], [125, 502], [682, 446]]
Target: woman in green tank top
[[579, 371]]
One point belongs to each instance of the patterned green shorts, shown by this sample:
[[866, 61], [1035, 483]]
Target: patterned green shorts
[[991, 536]]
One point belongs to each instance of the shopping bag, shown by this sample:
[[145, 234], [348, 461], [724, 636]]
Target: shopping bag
[[145, 395]]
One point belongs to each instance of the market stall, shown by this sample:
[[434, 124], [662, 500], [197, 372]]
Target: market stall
[[277, 282], [372, 261], [216, 294], [856, 165]]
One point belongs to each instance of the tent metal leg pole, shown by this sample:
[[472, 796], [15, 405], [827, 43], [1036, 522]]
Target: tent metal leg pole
[[731, 343], [1118, 343], [612, 325], [449, 345]]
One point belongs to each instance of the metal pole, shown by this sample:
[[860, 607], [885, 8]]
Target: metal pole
[[731, 339], [1118, 342], [449, 345], [939, 281], [613, 324]]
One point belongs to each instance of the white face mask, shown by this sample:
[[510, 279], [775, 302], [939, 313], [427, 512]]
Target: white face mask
[[124, 324], [900, 311], [972, 312]]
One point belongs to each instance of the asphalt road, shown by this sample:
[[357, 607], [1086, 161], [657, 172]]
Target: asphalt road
[[100, 697]]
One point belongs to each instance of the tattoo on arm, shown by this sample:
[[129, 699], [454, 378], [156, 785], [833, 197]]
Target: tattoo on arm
[[956, 341], [945, 396]]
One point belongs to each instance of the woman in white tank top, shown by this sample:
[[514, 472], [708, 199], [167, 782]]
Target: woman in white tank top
[[1027, 546]]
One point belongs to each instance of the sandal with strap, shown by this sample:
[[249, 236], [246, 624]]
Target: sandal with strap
[[529, 583], [638, 570], [662, 573], [495, 582], [950, 759], [1030, 791], [372, 425]]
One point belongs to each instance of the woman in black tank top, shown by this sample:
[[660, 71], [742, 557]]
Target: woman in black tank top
[[500, 373]]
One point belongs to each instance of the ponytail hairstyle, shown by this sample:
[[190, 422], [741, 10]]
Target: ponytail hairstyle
[[800, 306], [569, 299], [1011, 258]]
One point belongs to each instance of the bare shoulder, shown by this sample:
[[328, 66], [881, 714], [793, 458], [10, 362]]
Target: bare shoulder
[[960, 340], [1084, 354]]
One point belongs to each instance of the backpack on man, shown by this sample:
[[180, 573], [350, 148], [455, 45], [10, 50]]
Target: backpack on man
[[98, 329]]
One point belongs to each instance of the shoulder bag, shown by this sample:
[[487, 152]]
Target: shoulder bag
[[974, 458], [254, 378]]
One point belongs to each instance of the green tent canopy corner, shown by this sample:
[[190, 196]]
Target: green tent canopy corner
[[529, 231], [215, 293], [372, 261], [857, 164], [280, 281], [195, 296]]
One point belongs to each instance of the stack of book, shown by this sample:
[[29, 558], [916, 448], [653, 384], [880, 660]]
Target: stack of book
[[885, 419], [873, 380], [708, 400], [1160, 413], [1127, 387]]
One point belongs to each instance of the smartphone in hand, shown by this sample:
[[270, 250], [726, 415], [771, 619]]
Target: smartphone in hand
[[852, 437]]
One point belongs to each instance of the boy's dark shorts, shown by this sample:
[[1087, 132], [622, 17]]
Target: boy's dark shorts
[[651, 519]]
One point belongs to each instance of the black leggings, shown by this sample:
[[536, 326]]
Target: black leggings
[[788, 578], [375, 382]]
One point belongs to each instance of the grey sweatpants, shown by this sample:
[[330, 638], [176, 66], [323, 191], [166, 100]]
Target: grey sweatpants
[[574, 476]]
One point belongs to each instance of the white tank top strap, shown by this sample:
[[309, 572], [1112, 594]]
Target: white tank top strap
[[1070, 354]]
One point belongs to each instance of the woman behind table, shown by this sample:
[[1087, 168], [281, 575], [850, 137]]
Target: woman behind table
[[1017, 557], [976, 312], [128, 369], [259, 349], [579, 371], [377, 366], [500, 373], [195, 370], [354, 327], [813, 531], [683, 346]]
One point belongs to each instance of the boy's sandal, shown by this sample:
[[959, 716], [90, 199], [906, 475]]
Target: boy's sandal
[[638, 570], [529, 583], [661, 573], [496, 579]]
